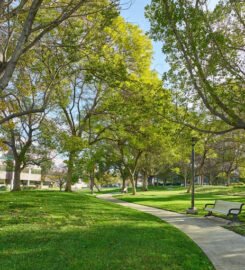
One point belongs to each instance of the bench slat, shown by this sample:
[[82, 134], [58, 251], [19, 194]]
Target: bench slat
[[217, 211], [225, 207]]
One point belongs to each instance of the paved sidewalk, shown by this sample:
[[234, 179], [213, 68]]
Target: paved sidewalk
[[225, 249]]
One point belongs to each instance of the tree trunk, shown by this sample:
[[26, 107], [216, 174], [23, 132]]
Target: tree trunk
[[17, 171], [228, 176], [60, 186], [185, 179], [202, 180], [149, 181], [145, 182], [91, 176], [189, 188], [185, 176], [69, 172], [42, 180], [133, 184], [123, 184], [210, 179], [97, 187]]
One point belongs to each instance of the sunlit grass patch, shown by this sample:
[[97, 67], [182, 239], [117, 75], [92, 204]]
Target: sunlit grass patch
[[178, 200], [53, 230]]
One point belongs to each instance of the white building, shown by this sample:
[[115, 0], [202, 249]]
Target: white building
[[79, 185], [30, 176]]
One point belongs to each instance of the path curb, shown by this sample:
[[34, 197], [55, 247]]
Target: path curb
[[224, 248]]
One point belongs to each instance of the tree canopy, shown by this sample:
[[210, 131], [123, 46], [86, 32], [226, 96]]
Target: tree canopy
[[205, 50], [76, 81]]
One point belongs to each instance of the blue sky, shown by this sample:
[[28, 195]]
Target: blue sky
[[133, 12]]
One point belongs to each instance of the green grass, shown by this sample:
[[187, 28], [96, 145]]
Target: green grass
[[102, 191], [176, 199], [52, 230]]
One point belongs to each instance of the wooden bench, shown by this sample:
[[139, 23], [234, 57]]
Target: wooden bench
[[226, 208]]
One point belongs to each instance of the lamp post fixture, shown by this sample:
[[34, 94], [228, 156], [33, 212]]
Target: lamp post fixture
[[193, 209]]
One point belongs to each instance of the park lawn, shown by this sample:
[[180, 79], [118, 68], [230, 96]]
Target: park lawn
[[178, 200], [57, 230], [103, 190]]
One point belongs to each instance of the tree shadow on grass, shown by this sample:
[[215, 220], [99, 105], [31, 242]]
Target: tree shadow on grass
[[180, 202], [125, 245], [73, 231]]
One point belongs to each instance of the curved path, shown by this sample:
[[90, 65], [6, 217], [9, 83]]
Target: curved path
[[225, 249]]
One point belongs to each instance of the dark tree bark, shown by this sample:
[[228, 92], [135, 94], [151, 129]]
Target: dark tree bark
[[123, 184], [17, 172], [91, 184], [145, 181], [228, 177], [69, 172], [132, 180]]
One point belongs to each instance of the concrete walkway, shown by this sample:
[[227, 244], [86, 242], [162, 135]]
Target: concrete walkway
[[225, 249]]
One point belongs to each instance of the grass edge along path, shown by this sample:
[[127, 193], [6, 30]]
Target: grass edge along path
[[53, 230], [177, 200], [224, 248]]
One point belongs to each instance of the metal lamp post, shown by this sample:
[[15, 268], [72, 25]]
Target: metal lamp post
[[193, 209]]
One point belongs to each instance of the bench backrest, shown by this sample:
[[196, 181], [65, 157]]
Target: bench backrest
[[226, 206]]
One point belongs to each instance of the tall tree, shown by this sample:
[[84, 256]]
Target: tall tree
[[19, 136], [23, 26], [108, 72], [205, 50]]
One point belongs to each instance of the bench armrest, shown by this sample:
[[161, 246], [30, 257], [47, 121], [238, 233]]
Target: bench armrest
[[237, 209], [208, 204]]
